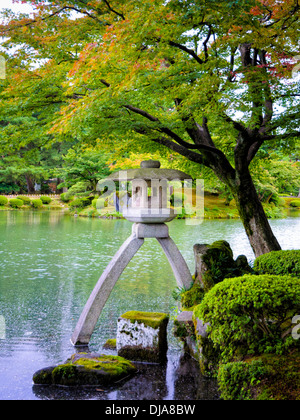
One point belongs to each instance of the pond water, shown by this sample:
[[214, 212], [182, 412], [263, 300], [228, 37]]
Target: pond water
[[49, 264]]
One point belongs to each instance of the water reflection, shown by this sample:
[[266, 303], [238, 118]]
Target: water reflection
[[178, 379], [49, 264]]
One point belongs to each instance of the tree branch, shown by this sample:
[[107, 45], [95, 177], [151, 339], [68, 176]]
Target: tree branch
[[193, 156], [142, 113], [174, 136], [199, 134], [269, 111], [57, 12], [104, 82], [282, 136], [205, 43], [238, 126], [187, 50], [114, 11], [253, 149]]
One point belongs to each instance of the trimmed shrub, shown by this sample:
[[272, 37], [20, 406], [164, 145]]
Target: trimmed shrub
[[3, 200], [16, 203], [94, 203], [85, 201], [251, 315], [295, 203], [76, 204], [37, 203], [219, 264], [63, 198], [78, 189], [279, 263], [45, 200], [26, 200], [80, 203]]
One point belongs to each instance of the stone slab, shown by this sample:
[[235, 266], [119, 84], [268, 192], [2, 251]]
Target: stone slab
[[142, 336], [144, 230], [185, 316]]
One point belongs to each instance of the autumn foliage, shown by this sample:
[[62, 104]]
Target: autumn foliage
[[202, 79]]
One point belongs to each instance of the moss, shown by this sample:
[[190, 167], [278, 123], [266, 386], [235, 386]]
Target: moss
[[86, 369], [113, 365], [150, 319], [65, 374], [192, 297], [222, 246], [237, 380], [207, 350], [184, 328], [220, 264], [266, 377], [144, 354], [111, 344], [44, 376], [282, 381]]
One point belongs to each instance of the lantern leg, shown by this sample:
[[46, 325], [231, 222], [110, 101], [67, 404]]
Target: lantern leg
[[92, 310], [177, 262]]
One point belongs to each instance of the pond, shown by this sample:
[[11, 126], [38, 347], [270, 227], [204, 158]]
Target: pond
[[49, 264]]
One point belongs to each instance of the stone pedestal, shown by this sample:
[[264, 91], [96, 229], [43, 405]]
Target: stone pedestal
[[142, 336]]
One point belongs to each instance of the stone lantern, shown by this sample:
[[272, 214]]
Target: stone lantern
[[149, 210]]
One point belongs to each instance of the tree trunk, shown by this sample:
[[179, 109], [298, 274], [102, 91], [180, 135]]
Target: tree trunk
[[60, 190], [30, 184], [256, 224]]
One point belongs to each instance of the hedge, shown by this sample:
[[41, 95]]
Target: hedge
[[63, 198], [16, 203], [37, 203], [76, 204], [26, 200], [279, 263], [295, 203], [251, 315], [45, 200], [3, 200]]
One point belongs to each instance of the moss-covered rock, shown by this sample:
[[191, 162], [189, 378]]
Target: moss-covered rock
[[110, 344], [185, 331], [149, 319], [215, 262], [86, 369], [143, 336]]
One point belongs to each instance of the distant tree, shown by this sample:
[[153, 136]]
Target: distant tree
[[88, 166]]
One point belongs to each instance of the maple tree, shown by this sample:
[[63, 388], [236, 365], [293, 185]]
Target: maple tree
[[209, 80]]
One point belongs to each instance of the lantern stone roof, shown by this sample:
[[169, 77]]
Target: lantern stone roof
[[150, 169]]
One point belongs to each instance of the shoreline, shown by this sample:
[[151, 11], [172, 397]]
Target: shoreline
[[215, 207]]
